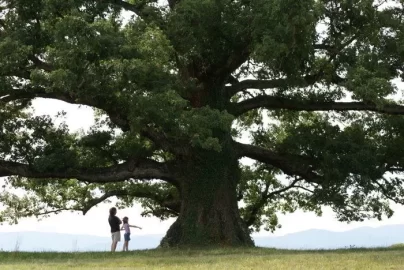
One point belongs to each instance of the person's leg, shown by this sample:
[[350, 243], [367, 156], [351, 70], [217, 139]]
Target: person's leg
[[124, 242], [127, 242], [115, 240], [112, 243], [118, 238], [127, 245]]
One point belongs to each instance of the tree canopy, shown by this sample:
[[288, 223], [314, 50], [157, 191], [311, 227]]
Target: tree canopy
[[182, 90]]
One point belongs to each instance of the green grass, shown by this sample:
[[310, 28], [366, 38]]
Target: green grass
[[229, 259]]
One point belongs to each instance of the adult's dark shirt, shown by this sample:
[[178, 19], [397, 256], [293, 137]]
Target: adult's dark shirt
[[114, 222]]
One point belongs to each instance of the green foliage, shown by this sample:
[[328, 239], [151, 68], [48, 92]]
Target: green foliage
[[166, 84], [349, 161], [369, 85], [207, 30], [266, 195], [283, 32]]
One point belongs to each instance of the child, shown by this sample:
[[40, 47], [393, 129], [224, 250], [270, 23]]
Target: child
[[126, 227]]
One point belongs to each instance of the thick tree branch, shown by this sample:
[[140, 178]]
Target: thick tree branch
[[31, 93], [290, 164], [160, 139], [137, 9], [93, 202], [173, 3], [18, 72], [231, 62], [144, 11], [334, 50], [254, 209], [275, 103], [41, 64], [127, 6], [173, 205], [269, 84], [84, 206], [29, 213], [395, 169], [142, 169], [305, 189], [114, 112], [232, 80], [286, 188], [387, 194]]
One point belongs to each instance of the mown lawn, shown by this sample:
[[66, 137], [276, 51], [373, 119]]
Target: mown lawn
[[257, 258]]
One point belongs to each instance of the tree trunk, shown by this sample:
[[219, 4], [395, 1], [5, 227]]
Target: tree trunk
[[209, 213]]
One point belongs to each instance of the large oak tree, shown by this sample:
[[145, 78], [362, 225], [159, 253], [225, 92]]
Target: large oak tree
[[176, 84]]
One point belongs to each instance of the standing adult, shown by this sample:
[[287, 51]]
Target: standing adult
[[114, 223]]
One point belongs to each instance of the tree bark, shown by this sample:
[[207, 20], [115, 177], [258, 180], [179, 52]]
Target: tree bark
[[140, 169], [209, 214], [277, 103]]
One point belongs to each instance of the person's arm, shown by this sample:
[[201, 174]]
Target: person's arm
[[118, 220], [134, 226]]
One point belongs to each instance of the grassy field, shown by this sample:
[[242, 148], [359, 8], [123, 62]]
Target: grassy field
[[258, 258]]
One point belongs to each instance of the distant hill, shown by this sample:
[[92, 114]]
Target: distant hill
[[321, 239], [311, 239], [40, 241]]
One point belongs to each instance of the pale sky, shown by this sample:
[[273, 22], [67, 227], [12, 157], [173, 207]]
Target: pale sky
[[95, 222]]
